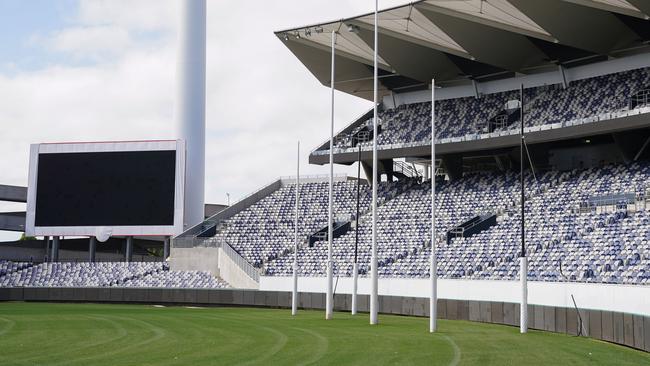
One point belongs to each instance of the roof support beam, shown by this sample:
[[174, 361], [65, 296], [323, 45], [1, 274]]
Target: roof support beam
[[476, 19], [411, 39], [611, 8]]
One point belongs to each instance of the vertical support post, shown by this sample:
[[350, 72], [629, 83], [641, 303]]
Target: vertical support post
[[294, 294], [46, 239], [56, 241], [433, 271], [128, 255], [190, 104], [523, 265], [166, 248], [330, 215], [92, 248], [374, 281], [355, 265]]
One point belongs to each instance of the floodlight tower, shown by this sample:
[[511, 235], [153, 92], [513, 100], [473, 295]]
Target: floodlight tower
[[189, 113]]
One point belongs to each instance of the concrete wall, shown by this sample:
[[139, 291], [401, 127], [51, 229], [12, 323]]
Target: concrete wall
[[195, 259], [233, 274], [631, 299], [622, 328]]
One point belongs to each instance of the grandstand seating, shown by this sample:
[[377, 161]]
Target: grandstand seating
[[104, 274], [265, 230], [564, 243], [547, 105]]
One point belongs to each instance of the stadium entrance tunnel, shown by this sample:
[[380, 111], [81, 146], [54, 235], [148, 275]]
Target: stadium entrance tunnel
[[630, 330]]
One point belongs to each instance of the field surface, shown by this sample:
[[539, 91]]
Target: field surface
[[92, 334]]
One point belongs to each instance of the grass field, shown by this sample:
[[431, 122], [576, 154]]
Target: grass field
[[93, 334]]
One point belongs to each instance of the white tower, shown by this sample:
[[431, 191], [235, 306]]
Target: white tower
[[189, 111]]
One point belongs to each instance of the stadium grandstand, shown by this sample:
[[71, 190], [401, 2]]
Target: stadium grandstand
[[542, 119]]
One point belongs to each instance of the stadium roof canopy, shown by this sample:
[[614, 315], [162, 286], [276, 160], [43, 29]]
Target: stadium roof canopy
[[457, 41]]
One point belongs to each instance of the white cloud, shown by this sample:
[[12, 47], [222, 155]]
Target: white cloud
[[260, 98], [96, 42]]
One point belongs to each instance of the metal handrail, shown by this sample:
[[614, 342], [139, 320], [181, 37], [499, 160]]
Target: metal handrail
[[240, 261]]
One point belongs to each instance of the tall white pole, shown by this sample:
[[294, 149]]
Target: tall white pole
[[190, 104], [330, 216], [294, 297], [374, 290], [433, 274], [523, 264]]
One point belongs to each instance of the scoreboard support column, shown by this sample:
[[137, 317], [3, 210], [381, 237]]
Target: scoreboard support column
[[55, 248], [92, 247], [128, 255], [166, 248]]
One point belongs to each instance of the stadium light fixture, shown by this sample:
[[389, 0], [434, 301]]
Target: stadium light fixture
[[352, 28]]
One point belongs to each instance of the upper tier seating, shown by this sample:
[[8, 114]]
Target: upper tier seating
[[547, 105]]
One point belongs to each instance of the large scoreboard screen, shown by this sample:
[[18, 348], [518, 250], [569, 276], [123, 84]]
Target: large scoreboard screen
[[125, 188]]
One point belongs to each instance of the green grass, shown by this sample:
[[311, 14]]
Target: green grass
[[93, 334]]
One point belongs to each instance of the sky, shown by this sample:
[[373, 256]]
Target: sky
[[101, 70]]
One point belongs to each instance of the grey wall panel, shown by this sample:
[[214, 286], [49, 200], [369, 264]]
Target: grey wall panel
[[78, 294], [363, 303], [16, 294], [463, 310], [284, 299], [4, 294], [496, 312], [442, 309], [203, 296], [189, 296], [595, 324], [155, 295], [571, 321], [305, 300], [420, 306], [318, 301], [237, 297], [167, 296], [178, 296], [619, 327], [104, 294], [129, 294], [29, 294], [339, 302], [474, 311], [517, 313], [485, 309], [646, 333], [249, 297], [259, 297], [628, 329], [452, 309], [92, 294], [549, 319], [560, 320], [396, 304], [66, 294], [509, 313], [407, 306], [531, 317], [271, 298], [538, 317], [116, 294], [638, 332], [607, 326]]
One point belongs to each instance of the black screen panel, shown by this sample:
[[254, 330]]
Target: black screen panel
[[123, 188]]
